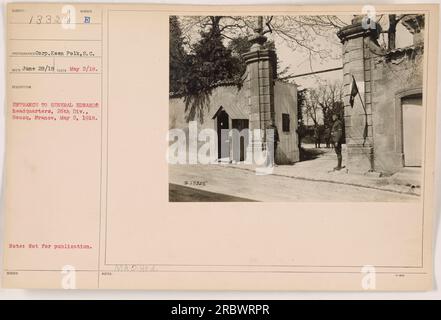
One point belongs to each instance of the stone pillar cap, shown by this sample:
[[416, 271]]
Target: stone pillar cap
[[260, 54], [356, 29]]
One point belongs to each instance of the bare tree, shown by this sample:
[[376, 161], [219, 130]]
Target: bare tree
[[312, 107], [296, 31], [324, 101], [390, 28]]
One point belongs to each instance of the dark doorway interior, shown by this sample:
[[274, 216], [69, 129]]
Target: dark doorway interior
[[222, 139]]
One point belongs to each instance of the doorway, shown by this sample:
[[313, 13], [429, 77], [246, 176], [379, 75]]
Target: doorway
[[412, 130], [223, 147]]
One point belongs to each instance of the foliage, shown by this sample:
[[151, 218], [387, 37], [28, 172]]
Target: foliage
[[209, 64], [178, 56]]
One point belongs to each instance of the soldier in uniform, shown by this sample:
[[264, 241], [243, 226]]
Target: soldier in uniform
[[337, 136]]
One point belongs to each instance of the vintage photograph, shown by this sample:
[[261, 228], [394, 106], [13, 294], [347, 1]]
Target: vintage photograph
[[296, 108], [221, 148]]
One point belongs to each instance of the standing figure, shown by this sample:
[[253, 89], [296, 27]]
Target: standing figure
[[317, 136], [337, 136]]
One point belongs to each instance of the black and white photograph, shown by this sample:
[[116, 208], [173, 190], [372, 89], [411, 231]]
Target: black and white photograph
[[221, 150], [296, 108]]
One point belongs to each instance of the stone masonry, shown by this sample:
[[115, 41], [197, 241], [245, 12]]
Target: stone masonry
[[383, 79], [260, 84]]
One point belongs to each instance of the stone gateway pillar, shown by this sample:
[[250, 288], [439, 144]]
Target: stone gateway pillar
[[261, 71], [358, 39]]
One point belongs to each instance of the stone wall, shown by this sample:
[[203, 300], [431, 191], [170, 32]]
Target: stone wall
[[220, 96], [394, 75], [285, 101]]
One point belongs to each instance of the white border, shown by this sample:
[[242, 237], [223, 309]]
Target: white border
[[201, 295]]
